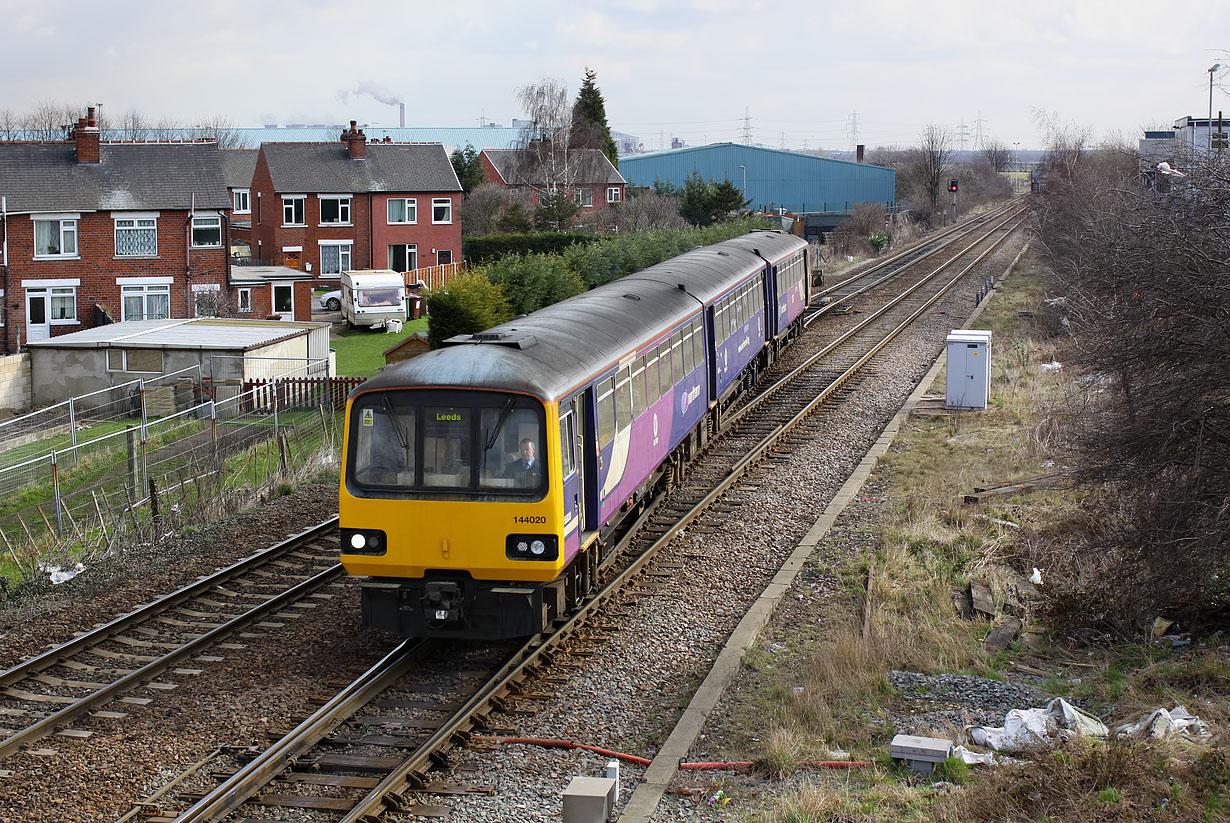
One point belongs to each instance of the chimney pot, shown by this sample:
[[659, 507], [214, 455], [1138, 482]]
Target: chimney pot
[[90, 119]]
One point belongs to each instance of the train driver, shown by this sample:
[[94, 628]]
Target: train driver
[[526, 470]]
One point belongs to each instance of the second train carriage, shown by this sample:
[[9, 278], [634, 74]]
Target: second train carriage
[[479, 480]]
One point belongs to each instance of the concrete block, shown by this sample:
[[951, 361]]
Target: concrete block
[[589, 800], [920, 753]]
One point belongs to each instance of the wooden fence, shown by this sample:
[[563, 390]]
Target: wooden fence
[[300, 392], [433, 277]]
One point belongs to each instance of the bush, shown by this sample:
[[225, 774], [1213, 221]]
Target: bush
[[492, 247], [534, 280], [468, 304]]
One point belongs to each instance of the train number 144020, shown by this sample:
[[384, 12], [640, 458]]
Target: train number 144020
[[525, 519]]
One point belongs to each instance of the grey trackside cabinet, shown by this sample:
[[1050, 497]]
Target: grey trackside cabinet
[[969, 369]]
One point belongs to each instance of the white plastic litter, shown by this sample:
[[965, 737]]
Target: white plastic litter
[[392, 327], [1036, 577], [1031, 728], [974, 758], [59, 575], [1050, 367], [1165, 723]]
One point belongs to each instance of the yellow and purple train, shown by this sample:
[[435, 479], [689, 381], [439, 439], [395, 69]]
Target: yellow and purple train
[[480, 481]]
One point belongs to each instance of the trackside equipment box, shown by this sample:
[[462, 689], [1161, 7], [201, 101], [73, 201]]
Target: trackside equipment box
[[969, 369], [589, 800], [921, 753]]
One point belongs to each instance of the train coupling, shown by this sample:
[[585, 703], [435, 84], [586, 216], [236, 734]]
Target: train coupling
[[442, 602]]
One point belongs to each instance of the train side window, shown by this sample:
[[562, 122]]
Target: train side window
[[689, 358], [606, 412], [698, 342], [719, 322], [653, 388], [623, 399], [677, 357], [664, 364], [567, 442], [638, 387]]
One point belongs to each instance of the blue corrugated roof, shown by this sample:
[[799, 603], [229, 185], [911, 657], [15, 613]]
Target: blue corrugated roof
[[799, 182]]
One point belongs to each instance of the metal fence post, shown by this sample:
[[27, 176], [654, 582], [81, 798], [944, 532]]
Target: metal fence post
[[141, 396], [213, 426], [55, 487], [274, 383], [72, 424]]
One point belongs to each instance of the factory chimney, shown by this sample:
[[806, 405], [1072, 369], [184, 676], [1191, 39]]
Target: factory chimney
[[402, 111]]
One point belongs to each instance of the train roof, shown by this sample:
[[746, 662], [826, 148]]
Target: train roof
[[553, 350], [772, 245]]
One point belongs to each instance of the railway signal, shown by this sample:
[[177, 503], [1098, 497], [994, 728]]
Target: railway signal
[[952, 187]]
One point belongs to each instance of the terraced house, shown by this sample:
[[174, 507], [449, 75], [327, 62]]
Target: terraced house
[[325, 208], [100, 232]]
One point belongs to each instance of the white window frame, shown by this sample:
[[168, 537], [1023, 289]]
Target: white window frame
[[437, 202], [440, 262], [613, 194], [217, 220], [64, 220], [241, 200], [288, 202], [406, 247], [273, 298], [410, 208], [584, 197], [343, 207], [243, 301], [145, 286], [136, 218], [345, 249]]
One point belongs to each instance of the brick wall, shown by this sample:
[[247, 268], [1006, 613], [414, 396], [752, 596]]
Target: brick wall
[[15, 382], [97, 268]]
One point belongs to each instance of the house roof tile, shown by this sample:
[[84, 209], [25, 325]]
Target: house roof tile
[[388, 167], [517, 167]]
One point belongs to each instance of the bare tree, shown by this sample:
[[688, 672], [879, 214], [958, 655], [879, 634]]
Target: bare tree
[[10, 125], [998, 155], [932, 161], [220, 129], [50, 120], [648, 211], [547, 161]]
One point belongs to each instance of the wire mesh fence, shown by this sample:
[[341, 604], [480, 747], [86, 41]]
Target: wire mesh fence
[[150, 477]]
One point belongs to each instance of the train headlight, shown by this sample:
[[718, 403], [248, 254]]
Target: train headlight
[[532, 547], [364, 541]]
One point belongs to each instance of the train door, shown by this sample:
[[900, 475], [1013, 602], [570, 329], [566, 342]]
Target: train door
[[574, 437]]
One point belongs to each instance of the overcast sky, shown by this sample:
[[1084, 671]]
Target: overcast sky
[[802, 71]]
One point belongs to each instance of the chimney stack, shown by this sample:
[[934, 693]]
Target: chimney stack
[[356, 142], [87, 138], [860, 152], [402, 110]]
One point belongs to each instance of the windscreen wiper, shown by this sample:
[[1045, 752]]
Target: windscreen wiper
[[498, 425], [401, 437]]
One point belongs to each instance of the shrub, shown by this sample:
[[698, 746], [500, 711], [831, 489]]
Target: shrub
[[468, 304], [492, 247]]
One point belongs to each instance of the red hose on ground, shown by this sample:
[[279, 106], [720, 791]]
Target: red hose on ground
[[631, 758]]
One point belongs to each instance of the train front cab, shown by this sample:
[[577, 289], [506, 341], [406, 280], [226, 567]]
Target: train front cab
[[453, 534]]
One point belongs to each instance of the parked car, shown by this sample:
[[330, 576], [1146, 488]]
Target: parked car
[[331, 300]]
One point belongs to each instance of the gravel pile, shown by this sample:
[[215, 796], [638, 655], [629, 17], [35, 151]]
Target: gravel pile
[[937, 703]]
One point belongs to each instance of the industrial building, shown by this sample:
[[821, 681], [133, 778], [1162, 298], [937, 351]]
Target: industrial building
[[770, 178]]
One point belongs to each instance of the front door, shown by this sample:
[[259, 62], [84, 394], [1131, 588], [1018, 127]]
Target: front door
[[38, 323], [291, 260], [284, 300]]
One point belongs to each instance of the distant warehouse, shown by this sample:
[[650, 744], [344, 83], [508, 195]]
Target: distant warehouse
[[771, 179]]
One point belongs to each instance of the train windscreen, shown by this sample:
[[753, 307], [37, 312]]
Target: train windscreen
[[484, 443]]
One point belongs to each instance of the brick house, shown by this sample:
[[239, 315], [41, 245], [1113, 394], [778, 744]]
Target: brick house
[[325, 208], [99, 232], [596, 183], [238, 166]]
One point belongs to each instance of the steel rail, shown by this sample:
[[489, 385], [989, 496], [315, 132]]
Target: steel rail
[[78, 708], [789, 377], [825, 309], [236, 789]]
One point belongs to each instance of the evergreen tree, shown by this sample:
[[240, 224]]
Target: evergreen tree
[[555, 211], [589, 126], [513, 220], [707, 203], [469, 168]]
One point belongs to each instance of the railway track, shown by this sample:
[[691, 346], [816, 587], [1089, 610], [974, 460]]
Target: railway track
[[353, 760], [122, 660]]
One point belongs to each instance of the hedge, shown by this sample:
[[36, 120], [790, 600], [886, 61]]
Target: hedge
[[492, 247]]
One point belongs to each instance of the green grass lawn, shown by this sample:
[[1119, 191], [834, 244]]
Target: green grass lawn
[[360, 352]]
